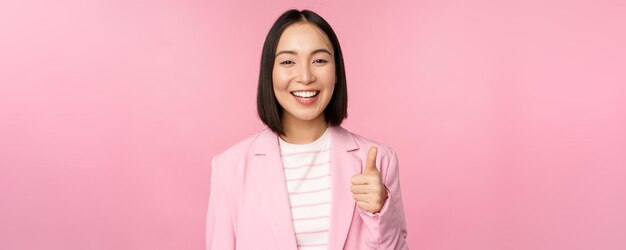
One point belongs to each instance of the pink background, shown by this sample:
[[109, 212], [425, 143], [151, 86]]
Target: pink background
[[508, 117]]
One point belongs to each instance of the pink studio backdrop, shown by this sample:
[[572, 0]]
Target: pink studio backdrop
[[508, 116]]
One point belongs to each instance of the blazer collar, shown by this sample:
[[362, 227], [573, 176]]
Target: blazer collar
[[267, 170], [267, 141]]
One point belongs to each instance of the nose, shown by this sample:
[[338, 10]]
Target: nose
[[305, 74]]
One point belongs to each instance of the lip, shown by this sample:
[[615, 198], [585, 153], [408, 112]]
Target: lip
[[302, 90], [306, 100]]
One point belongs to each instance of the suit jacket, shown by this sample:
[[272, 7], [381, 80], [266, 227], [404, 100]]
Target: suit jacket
[[249, 204]]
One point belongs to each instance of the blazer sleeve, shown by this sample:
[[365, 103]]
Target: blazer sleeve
[[220, 230], [387, 229]]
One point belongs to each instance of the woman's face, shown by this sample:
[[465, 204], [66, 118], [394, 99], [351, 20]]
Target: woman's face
[[304, 72]]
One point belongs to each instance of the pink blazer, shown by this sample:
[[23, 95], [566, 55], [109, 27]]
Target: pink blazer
[[249, 205]]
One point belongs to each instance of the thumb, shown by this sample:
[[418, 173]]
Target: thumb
[[370, 163]]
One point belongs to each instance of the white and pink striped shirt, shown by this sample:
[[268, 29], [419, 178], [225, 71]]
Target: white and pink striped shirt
[[307, 173]]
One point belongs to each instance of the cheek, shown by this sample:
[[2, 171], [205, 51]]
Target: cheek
[[280, 79], [327, 76]]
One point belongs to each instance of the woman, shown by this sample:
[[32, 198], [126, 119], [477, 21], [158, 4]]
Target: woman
[[304, 182]]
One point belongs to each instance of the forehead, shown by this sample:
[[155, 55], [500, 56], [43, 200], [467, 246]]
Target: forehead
[[303, 36]]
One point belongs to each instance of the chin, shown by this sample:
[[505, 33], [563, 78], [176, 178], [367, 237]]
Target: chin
[[307, 117]]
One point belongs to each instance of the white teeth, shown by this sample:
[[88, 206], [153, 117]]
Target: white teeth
[[304, 94]]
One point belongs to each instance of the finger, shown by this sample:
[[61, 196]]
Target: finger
[[364, 206], [359, 179], [370, 163], [361, 197], [359, 189], [362, 179]]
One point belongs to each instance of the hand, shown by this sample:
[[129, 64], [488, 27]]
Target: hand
[[367, 188]]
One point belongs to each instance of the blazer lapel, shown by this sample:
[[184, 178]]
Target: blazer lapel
[[343, 165], [266, 168]]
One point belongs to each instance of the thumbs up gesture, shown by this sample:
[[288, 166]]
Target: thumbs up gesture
[[367, 188]]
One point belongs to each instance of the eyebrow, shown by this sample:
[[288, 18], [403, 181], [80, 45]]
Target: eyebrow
[[295, 53]]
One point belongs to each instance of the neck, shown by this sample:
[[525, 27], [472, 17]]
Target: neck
[[302, 132]]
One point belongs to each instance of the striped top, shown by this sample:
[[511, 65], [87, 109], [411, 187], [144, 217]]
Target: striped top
[[307, 174]]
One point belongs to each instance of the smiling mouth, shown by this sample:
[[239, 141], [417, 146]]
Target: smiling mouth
[[304, 94]]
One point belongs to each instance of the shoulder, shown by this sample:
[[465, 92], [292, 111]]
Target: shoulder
[[367, 143], [364, 143], [239, 150]]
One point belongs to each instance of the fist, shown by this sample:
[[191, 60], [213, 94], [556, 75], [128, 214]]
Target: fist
[[367, 188]]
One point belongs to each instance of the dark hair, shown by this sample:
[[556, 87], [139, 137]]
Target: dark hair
[[268, 107]]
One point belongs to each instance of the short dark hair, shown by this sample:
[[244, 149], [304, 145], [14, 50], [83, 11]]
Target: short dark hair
[[268, 107]]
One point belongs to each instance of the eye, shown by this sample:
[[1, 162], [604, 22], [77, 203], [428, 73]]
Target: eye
[[320, 61], [286, 62]]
